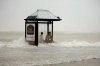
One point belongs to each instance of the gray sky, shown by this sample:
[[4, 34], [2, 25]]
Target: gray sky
[[77, 15]]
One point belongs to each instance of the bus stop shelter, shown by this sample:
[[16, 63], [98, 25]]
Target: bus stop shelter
[[39, 17]]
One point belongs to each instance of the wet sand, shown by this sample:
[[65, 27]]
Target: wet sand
[[89, 62]]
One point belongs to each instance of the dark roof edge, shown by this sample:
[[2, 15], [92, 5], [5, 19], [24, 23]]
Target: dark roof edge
[[44, 19]]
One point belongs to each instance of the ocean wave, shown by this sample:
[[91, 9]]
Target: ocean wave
[[15, 43], [75, 43], [51, 53]]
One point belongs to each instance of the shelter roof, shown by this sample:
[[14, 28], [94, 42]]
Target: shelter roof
[[43, 15]]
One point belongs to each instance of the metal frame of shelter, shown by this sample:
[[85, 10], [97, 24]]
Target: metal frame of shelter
[[37, 21]]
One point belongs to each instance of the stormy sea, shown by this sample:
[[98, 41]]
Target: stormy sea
[[68, 49]]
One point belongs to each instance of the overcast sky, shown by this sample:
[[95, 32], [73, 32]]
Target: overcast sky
[[76, 15]]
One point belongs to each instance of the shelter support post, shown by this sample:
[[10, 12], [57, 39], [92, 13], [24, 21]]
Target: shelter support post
[[52, 30], [36, 33], [25, 29], [47, 27]]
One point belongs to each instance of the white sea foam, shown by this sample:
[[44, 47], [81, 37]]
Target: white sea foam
[[51, 53], [75, 43], [15, 43]]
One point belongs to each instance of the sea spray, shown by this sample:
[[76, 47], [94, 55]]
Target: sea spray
[[75, 43], [20, 53], [15, 43]]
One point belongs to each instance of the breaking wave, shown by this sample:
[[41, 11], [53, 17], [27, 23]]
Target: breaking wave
[[15, 43], [51, 53], [75, 43]]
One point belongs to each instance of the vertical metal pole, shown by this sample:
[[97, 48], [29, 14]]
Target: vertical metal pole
[[25, 29], [36, 33], [52, 30], [47, 27]]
